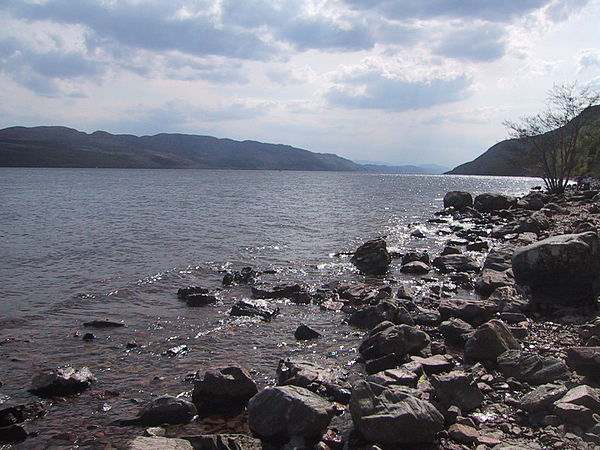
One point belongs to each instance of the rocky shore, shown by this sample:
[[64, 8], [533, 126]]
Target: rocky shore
[[495, 351]]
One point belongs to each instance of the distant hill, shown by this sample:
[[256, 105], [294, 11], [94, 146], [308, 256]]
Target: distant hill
[[515, 157], [66, 147]]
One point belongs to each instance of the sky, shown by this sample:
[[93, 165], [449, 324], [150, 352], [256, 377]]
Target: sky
[[392, 81]]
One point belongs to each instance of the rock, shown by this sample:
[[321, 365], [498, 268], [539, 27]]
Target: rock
[[531, 367], [223, 388], [224, 442], [387, 338], [542, 398], [489, 341], [509, 299], [88, 337], [386, 310], [478, 246], [389, 361], [457, 200], [584, 360], [457, 388], [513, 317], [13, 434], [327, 382], [456, 263], [393, 415], [463, 434], [583, 395], [156, 442], [295, 293], [372, 258], [178, 350], [418, 234], [413, 256], [305, 333], [450, 250], [489, 280], [416, 267], [405, 292], [565, 266], [59, 382], [456, 331], [246, 276], [20, 413], [183, 293], [103, 324], [470, 310], [253, 308], [167, 409], [200, 299], [435, 364], [427, 317], [395, 377], [493, 202], [575, 414], [499, 259], [287, 411]]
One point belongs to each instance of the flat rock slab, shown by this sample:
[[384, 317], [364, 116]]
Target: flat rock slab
[[156, 442]]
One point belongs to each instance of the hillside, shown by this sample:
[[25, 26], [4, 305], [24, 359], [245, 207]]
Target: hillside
[[66, 147], [514, 157]]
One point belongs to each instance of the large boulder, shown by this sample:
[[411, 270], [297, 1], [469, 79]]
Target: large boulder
[[458, 199], [566, 266], [393, 415], [531, 367], [166, 409], [223, 388], [489, 341], [62, 381], [493, 202], [284, 412], [372, 258]]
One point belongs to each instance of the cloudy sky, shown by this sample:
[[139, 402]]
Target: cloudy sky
[[397, 81]]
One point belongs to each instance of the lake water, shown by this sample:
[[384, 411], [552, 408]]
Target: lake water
[[83, 244]]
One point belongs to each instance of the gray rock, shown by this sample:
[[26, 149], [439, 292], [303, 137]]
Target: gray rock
[[156, 442], [489, 280], [584, 360], [542, 398], [575, 414], [435, 364], [499, 259], [458, 199], [493, 202], [416, 267], [287, 411], [167, 409], [456, 263], [393, 415], [531, 367], [565, 266], [223, 388], [414, 256], [372, 258], [457, 388], [395, 377], [387, 338], [489, 341], [471, 310], [63, 381], [583, 395]]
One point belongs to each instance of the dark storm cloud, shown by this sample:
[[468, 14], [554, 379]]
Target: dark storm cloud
[[150, 26], [492, 10], [374, 91], [477, 43]]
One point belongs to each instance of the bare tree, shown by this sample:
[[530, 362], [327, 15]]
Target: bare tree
[[553, 133]]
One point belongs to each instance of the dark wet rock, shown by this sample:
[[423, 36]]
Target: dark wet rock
[[386, 362], [389, 339], [103, 324], [478, 246], [245, 276], [466, 213], [415, 267], [392, 415], [414, 256], [584, 360], [305, 333], [565, 266], [405, 292], [470, 310], [21, 413], [253, 308], [158, 442], [427, 317], [13, 434], [178, 350], [201, 299], [183, 293], [59, 382], [395, 377], [456, 263], [286, 411], [489, 280], [509, 299], [456, 331], [457, 388], [295, 292], [435, 364], [531, 367], [493, 202], [513, 317], [450, 250], [88, 337], [224, 442], [542, 398], [386, 310], [223, 388], [418, 234], [458, 199], [166, 409], [372, 258], [328, 382], [489, 341]]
